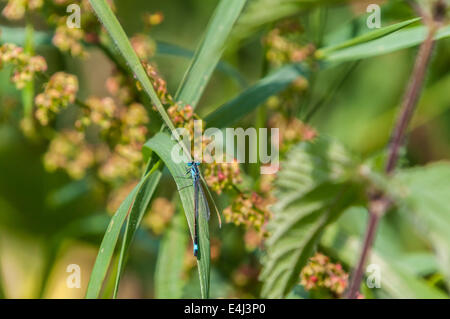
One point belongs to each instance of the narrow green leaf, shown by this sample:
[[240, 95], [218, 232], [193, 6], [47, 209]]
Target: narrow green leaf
[[312, 189], [209, 52], [162, 145], [254, 96], [115, 30], [134, 219], [108, 246], [261, 13], [164, 48], [111, 236], [387, 44], [169, 267], [369, 36]]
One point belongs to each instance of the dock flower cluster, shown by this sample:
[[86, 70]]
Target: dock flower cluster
[[284, 44], [24, 65], [291, 130], [222, 176], [69, 151], [59, 92], [16, 9], [321, 273], [250, 210]]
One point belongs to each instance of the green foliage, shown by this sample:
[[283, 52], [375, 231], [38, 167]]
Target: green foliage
[[389, 43], [135, 217], [399, 268], [423, 196], [169, 280], [115, 30], [313, 188], [369, 36], [254, 96], [162, 145], [319, 180], [134, 205], [209, 52]]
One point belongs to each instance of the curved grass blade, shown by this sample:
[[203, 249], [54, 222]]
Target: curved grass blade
[[393, 42], [135, 217], [254, 96], [115, 30], [109, 241], [162, 145], [369, 36], [209, 52], [169, 267]]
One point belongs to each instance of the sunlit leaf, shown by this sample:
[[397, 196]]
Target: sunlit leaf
[[162, 145], [169, 268], [209, 52], [254, 96]]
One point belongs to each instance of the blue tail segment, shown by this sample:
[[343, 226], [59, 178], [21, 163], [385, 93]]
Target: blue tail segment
[[195, 250]]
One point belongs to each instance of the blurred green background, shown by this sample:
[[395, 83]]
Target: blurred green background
[[48, 221]]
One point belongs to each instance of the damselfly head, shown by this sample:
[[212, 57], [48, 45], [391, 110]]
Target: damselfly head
[[193, 163]]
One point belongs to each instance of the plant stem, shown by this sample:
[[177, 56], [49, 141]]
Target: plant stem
[[380, 203], [410, 99], [377, 209]]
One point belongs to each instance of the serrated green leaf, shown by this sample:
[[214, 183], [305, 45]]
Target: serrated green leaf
[[162, 145], [318, 191], [209, 52], [170, 263], [423, 195], [254, 96]]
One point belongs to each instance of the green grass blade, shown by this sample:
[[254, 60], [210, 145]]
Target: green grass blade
[[164, 48], [112, 234], [135, 217], [209, 52], [169, 268], [108, 245], [254, 96], [369, 36], [115, 30], [162, 145], [393, 42]]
